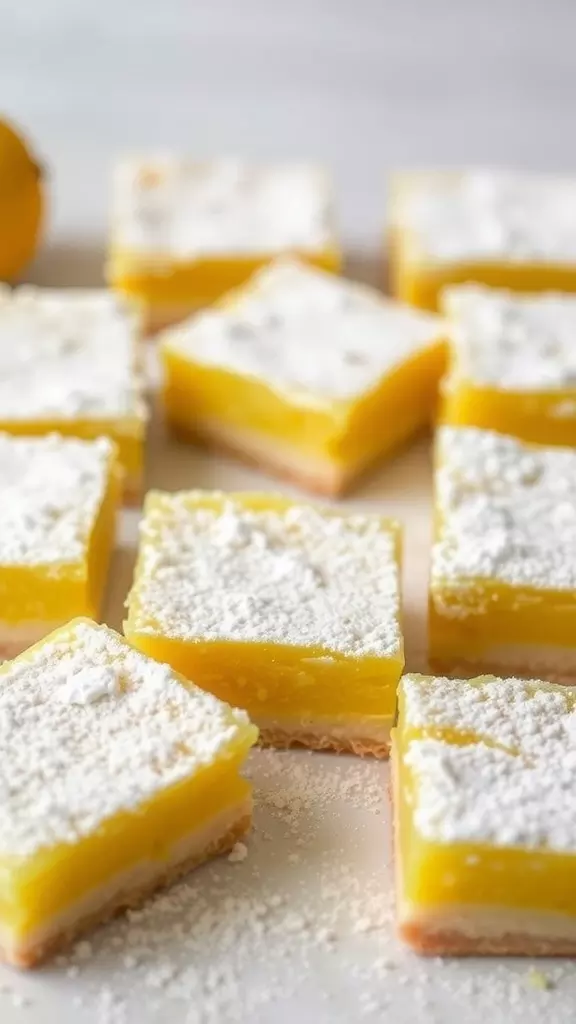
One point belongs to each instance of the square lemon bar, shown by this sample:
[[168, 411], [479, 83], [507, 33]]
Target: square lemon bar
[[58, 503], [289, 611], [484, 786], [117, 777], [305, 374], [501, 228], [184, 232], [512, 363], [503, 576], [68, 363]]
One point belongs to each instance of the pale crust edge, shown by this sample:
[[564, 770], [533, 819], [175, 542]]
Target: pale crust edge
[[327, 486], [283, 739], [454, 943], [126, 900]]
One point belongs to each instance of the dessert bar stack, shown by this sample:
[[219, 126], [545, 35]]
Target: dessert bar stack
[[257, 616]]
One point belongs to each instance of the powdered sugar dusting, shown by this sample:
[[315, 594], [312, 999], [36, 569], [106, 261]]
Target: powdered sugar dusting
[[51, 490], [490, 216], [512, 785], [90, 728], [168, 206], [290, 310], [300, 576], [305, 924], [507, 511], [513, 342], [67, 354], [517, 714]]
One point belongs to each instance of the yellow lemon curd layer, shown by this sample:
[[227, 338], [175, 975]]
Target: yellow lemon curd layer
[[533, 416], [470, 616], [194, 282], [438, 875], [57, 591], [33, 892], [342, 433], [39, 886], [272, 681], [421, 284]]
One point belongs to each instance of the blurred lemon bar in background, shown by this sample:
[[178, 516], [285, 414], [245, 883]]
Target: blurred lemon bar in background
[[184, 232], [503, 575], [117, 777], [484, 784], [304, 373], [506, 229], [512, 363], [289, 611], [69, 364], [58, 503]]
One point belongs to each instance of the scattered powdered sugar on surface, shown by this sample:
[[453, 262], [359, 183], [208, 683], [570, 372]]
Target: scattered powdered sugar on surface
[[89, 728], [290, 310], [507, 511], [304, 926], [51, 490], [513, 783], [67, 354], [167, 206], [491, 215], [513, 342], [299, 576]]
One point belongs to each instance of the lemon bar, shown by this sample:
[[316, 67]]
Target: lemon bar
[[117, 777], [502, 228], [58, 503], [184, 232], [68, 363], [289, 611], [484, 785], [503, 576], [512, 363], [305, 374]]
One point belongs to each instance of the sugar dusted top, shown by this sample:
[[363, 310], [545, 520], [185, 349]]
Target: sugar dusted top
[[507, 511], [66, 354], [290, 311], [297, 576], [169, 206], [493, 761], [491, 216], [51, 490], [510, 341], [90, 728]]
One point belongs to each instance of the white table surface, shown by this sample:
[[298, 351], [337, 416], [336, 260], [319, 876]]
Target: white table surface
[[302, 929]]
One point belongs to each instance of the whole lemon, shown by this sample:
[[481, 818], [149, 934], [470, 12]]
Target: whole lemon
[[21, 203]]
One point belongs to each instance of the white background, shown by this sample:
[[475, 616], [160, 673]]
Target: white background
[[365, 85]]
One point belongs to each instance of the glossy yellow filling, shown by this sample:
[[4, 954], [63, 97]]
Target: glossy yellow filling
[[541, 417], [58, 592], [37, 889], [345, 435], [193, 282], [421, 284], [439, 875], [470, 617], [272, 680]]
